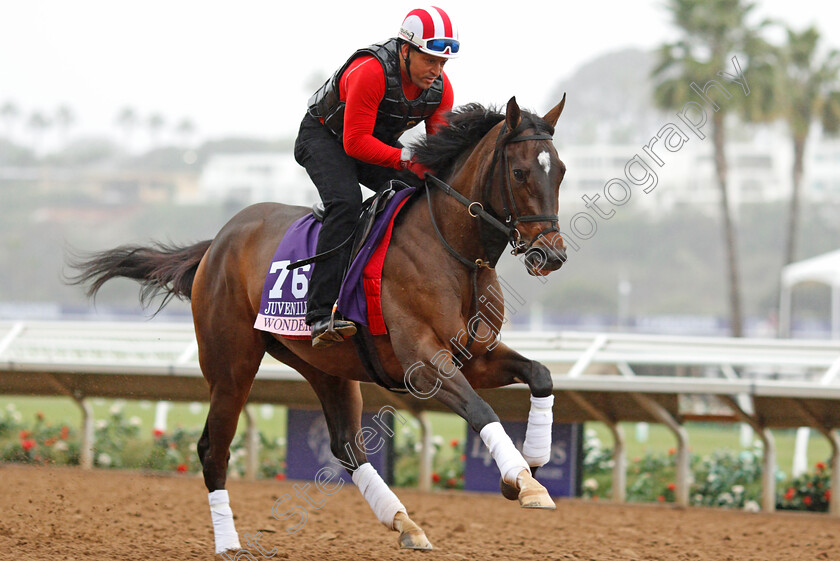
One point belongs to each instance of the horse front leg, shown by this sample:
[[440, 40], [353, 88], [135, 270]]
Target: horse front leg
[[432, 372], [341, 401], [503, 366]]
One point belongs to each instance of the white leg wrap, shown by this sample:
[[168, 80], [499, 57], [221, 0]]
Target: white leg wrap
[[382, 500], [507, 457], [537, 447], [223, 529]]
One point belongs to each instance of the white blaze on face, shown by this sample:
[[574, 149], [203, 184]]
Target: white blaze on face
[[545, 161]]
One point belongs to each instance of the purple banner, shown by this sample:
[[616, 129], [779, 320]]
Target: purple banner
[[560, 475], [308, 444]]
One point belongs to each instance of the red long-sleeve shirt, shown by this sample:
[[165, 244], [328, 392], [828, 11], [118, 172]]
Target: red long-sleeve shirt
[[362, 87]]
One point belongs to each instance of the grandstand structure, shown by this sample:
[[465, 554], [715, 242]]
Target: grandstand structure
[[605, 377]]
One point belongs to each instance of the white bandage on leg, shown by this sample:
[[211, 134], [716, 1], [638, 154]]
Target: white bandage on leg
[[507, 457], [382, 500], [223, 529], [537, 447]]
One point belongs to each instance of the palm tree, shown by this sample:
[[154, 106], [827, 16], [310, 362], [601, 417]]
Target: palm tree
[[127, 121], [811, 92], [155, 123], [185, 129], [713, 31], [10, 114], [65, 118], [37, 124]]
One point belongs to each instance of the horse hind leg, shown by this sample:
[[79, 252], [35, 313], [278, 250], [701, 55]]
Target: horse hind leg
[[229, 362], [341, 401]]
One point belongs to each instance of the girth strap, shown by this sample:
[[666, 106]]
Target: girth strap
[[369, 356]]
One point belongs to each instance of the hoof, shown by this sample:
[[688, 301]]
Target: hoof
[[532, 494], [415, 540], [509, 492], [411, 535]]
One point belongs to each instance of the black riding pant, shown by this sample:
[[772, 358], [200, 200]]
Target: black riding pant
[[337, 177]]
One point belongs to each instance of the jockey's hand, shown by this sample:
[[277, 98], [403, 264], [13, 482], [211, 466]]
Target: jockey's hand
[[415, 167]]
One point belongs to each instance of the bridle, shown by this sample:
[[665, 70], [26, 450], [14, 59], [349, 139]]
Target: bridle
[[512, 218], [507, 225]]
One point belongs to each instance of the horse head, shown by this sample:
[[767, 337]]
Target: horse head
[[524, 182]]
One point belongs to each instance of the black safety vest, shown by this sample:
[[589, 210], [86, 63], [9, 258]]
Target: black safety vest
[[395, 114]]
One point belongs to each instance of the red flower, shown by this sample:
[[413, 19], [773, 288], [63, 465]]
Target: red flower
[[672, 451], [672, 486], [65, 432], [24, 434], [807, 500], [280, 477], [790, 493], [27, 444], [827, 494], [820, 466], [454, 443], [157, 433], [451, 482], [660, 498], [182, 468], [436, 477], [50, 441]]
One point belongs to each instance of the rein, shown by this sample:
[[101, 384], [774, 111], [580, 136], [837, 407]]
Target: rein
[[476, 210]]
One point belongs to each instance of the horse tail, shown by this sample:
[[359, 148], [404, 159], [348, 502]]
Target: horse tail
[[160, 269]]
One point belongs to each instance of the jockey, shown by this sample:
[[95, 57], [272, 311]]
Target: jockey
[[350, 136]]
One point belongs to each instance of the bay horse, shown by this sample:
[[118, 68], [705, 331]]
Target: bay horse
[[500, 180]]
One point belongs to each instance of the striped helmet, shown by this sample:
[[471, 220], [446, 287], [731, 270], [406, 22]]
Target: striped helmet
[[430, 30]]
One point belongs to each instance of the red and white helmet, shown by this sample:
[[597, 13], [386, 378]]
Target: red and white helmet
[[431, 31]]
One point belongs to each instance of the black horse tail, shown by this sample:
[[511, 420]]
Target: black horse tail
[[160, 269]]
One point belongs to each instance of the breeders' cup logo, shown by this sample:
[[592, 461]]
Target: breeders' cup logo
[[318, 440]]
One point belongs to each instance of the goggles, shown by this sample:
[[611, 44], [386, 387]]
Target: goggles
[[441, 45]]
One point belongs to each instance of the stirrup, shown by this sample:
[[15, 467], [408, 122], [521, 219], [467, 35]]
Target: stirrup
[[325, 332]]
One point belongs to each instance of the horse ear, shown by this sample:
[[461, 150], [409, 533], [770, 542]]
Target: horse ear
[[552, 116], [514, 115]]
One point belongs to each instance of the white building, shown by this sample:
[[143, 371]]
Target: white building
[[758, 171], [254, 178]]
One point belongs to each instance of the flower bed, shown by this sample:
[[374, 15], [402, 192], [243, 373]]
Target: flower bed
[[723, 479]]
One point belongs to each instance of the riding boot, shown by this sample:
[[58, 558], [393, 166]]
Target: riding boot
[[330, 330]]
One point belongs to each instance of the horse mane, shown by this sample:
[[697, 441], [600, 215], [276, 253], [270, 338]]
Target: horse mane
[[466, 126]]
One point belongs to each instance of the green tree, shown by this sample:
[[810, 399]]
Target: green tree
[[155, 124], [712, 32], [810, 92], [10, 113], [38, 124], [65, 118], [127, 121], [185, 129]]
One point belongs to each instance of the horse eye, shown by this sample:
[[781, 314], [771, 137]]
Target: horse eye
[[519, 175]]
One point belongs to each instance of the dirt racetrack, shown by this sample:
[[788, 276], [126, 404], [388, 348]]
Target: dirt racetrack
[[66, 513]]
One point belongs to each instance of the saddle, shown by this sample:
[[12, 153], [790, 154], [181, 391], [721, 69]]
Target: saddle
[[363, 339], [371, 209]]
